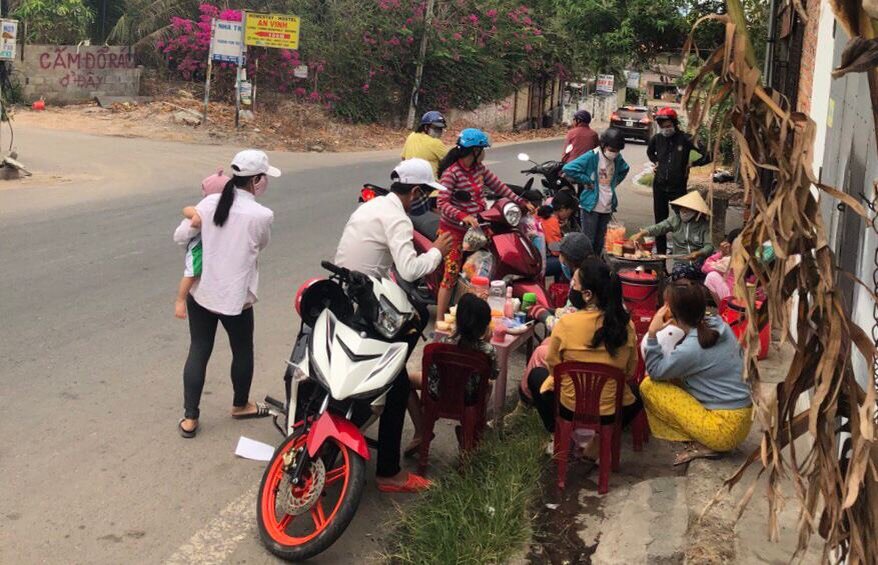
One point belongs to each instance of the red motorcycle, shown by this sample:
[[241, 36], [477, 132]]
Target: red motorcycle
[[515, 259]]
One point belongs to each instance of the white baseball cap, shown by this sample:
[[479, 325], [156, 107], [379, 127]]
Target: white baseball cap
[[415, 171], [252, 162]]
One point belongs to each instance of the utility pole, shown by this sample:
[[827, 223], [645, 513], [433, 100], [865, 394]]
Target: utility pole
[[419, 69]]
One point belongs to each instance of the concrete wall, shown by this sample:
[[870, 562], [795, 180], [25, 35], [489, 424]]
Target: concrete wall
[[67, 74], [809, 53], [846, 141], [494, 116], [600, 106], [820, 75]]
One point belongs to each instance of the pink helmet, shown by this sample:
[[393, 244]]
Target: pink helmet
[[214, 184]]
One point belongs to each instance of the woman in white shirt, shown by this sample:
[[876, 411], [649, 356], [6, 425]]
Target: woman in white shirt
[[234, 229]]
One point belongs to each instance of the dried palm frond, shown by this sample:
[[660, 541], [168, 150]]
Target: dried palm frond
[[836, 479]]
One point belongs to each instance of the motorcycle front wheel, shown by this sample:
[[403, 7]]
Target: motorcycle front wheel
[[297, 522]]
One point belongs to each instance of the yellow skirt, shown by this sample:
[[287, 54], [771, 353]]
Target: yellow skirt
[[675, 415]]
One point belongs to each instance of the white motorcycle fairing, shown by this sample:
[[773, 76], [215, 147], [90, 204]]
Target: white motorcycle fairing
[[388, 289], [350, 365]]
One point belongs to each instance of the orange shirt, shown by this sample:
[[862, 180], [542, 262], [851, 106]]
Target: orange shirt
[[552, 230]]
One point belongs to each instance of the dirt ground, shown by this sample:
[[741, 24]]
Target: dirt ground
[[279, 123]]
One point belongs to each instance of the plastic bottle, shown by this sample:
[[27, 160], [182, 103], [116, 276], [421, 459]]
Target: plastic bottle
[[497, 297], [509, 309], [479, 287]]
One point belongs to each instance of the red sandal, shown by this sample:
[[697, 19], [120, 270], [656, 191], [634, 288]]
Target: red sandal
[[413, 484]]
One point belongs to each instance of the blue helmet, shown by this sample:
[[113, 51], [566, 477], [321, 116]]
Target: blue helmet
[[472, 137], [433, 118]]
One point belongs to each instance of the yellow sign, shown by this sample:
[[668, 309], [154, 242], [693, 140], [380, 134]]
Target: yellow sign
[[272, 30]]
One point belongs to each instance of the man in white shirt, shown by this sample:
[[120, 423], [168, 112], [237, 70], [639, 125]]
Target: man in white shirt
[[377, 237], [379, 233]]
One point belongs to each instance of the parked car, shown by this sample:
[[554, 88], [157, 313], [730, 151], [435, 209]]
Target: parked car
[[634, 121]]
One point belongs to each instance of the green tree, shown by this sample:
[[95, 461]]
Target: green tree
[[56, 22], [611, 35]]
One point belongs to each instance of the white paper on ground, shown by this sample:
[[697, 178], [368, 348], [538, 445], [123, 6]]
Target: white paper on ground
[[252, 449]]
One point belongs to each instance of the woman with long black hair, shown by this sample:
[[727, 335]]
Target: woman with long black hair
[[234, 229], [600, 331]]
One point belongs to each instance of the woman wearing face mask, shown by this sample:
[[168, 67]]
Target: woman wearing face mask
[[600, 331], [690, 234], [600, 171], [426, 143], [468, 183], [669, 149], [234, 229]]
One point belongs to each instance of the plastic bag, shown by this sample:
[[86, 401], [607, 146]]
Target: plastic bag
[[474, 239], [479, 264]]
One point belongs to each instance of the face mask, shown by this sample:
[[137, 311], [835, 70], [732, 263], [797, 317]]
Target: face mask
[[261, 186], [668, 132], [576, 299], [435, 132], [566, 271], [611, 155], [687, 215]]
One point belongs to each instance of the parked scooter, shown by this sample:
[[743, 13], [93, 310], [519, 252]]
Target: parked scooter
[[552, 180], [348, 352], [514, 257]]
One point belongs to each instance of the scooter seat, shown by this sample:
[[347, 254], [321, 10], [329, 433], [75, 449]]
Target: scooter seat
[[427, 224]]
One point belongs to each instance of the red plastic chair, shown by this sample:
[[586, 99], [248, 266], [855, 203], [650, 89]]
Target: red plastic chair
[[589, 380], [640, 425], [453, 366]]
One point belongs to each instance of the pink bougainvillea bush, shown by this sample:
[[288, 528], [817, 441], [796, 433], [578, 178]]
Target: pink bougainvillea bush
[[361, 53]]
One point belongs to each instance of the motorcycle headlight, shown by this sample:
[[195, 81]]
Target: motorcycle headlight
[[390, 320], [512, 213]]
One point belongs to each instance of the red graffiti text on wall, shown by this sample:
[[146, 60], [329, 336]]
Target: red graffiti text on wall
[[61, 58], [81, 80]]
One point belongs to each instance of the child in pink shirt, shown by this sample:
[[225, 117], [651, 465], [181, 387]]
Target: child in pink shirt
[[213, 184]]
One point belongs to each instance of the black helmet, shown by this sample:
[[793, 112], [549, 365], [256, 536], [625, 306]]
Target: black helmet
[[613, 138]]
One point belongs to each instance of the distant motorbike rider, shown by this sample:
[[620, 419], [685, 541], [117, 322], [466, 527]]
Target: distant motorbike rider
[[581, 138], [378, 235], [425, 143], [670, 150]]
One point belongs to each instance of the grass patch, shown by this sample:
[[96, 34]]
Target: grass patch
[[646, 180], [479, 515]]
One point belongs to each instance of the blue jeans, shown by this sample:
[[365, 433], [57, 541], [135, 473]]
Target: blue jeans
[[594, 225], [553, 268]]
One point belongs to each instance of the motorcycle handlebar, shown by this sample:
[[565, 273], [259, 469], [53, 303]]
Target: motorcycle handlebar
[[340, 271]]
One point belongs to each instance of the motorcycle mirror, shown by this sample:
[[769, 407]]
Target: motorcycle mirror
[[568, 149], [523, 157]]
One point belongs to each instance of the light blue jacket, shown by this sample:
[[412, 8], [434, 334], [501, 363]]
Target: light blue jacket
[[713, 376], [584, 170]]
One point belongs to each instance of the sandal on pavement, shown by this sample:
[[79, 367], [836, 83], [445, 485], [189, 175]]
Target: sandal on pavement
[[413, 484], [188, 434], [262, 411], [695, 453]]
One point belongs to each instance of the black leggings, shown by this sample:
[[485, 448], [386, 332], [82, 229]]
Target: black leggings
[[662, 195], [545, 402], [202, 329]]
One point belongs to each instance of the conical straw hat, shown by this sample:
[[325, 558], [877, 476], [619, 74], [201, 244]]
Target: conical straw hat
[[693, 201]]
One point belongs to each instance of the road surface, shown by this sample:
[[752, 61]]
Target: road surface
[[90, 387]]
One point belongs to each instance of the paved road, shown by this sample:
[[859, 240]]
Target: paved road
[[93, 469]]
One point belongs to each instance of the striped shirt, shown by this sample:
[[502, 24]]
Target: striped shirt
[[479, 182]]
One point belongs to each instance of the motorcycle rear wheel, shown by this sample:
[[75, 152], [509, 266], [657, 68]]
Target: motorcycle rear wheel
[[300, 537]]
